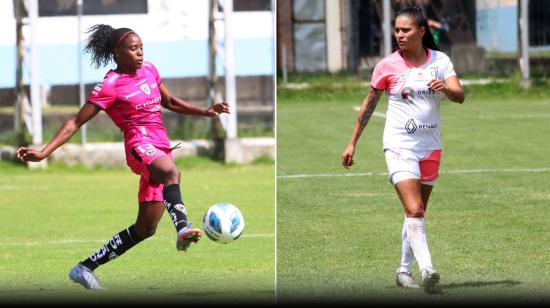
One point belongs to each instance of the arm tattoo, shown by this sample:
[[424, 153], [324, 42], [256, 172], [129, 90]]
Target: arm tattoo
[[366, 112]]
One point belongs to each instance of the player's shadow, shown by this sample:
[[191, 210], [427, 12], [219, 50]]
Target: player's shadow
[[440, 289], [479, 284]]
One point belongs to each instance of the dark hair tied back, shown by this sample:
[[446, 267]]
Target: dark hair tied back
[[102, 42], [417, 14]]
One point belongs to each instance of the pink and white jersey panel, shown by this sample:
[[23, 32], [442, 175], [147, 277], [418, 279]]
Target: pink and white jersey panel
[[133, 103], [412, 118]]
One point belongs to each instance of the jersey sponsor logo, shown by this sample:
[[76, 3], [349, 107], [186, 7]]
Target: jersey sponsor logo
[[145, 89], [412, 127], [98, 87], [407, 93], [141, 82], [434, 72], [132, 94], [148, 103], [153, 85], [426, 92], [420, 77], [427, 126]]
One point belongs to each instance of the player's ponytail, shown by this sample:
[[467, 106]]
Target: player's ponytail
[[102, 42], [416, 14]]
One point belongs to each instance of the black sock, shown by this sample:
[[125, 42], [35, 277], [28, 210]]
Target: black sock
[[175, 206], [116, 246]]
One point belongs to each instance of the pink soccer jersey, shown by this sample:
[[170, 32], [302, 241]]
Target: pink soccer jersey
[[133, 103], [412, 118]]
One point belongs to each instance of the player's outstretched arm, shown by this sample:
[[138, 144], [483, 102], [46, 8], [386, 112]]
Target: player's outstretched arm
[[363, 118], [65, 132], [180, 106]]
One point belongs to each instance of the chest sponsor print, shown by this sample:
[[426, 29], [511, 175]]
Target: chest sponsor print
[[145, 88]]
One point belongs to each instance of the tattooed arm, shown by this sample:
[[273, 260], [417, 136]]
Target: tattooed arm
[[363, 117]]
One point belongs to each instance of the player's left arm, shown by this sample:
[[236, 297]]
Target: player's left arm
[[180, 106], [450, 87]]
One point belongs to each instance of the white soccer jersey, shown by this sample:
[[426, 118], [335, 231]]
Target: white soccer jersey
[[412, 119]]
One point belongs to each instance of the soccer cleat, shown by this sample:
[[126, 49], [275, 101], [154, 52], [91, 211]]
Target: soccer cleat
[[186, 236], [83, 275], [405, 280], [430, 277]]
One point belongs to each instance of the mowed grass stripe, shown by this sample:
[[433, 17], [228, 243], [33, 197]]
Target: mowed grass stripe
[[298, 176]]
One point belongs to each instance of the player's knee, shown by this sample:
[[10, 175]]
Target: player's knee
[[416, 211], [145, 231], [173, 176]]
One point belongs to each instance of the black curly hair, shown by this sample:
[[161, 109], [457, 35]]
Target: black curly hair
[[417, 14], [102, 42]]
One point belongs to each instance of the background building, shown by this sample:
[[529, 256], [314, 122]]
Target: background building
[[346, 35], [175, 35]]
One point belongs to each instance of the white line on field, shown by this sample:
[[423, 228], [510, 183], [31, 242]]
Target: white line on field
[[318, 175], [481, 117], [62, 242]]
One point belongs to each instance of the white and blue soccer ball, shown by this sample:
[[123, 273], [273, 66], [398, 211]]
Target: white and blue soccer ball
[[223, 223]]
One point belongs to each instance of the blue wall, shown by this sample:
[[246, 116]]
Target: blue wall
[[58, 63], [497, 29]]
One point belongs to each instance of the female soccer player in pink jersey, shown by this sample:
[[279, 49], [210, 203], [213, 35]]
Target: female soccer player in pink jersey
[[414, 77], [132, 96]]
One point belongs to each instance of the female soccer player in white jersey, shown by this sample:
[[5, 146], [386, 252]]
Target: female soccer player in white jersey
[[415, 77]]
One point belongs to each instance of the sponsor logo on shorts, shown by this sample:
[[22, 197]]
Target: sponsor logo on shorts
[[150, 152]]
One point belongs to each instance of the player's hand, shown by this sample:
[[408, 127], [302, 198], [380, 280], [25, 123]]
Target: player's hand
[[29, 154], [216, 109], [347, 156], [436, 85]]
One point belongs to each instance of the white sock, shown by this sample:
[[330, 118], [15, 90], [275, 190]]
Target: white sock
[[407, 256], [416, 232]]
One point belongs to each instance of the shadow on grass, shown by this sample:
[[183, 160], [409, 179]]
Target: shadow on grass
[[480, 284], [213, 293], [475, 284]]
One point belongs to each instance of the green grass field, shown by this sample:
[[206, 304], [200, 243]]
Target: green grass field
[[51, 219], [339, 237]]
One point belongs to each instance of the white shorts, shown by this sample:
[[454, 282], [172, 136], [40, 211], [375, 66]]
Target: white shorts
[[413, 164]]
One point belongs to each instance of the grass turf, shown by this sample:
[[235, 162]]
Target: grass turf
[[339, 237], [51, 219]]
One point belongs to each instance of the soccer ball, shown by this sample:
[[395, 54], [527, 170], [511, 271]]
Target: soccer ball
[[223, 223]]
